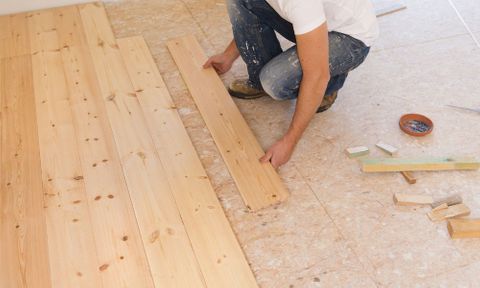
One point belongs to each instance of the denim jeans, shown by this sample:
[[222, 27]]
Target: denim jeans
[[278, 72]]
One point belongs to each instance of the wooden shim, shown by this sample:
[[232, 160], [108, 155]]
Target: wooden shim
[[458, 210], [24, 258], [449, 201], [258, 183], [464, 228], [410, 199], [66, 204], [387, 148], [440, 207], [409, 177], [218, 252], [427, 164], [354, 152], [169, 251]]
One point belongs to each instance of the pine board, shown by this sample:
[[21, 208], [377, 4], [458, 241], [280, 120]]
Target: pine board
[[167, 245], [68, 218], [426, 164], [218, 252], [258, 183], [23, 232]]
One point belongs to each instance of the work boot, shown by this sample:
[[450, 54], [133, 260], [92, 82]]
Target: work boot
[[327, 102], [244, 90]]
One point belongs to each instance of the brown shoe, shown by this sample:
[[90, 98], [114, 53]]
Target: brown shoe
[[244, 90], [327, 102]]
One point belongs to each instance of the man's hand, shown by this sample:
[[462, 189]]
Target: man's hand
[[279, 153], [220, 62], [224, 61]]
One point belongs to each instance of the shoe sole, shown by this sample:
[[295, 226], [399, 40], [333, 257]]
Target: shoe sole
[[245, 96]]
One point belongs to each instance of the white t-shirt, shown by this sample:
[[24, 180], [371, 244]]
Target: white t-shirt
[[352, 17]]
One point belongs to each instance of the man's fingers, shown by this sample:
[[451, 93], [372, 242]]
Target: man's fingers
[[208, 64], [266, 158]]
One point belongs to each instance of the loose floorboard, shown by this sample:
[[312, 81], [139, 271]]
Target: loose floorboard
[[259, 184]]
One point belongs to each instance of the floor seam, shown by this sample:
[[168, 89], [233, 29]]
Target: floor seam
[[464, 23], [336, 227]]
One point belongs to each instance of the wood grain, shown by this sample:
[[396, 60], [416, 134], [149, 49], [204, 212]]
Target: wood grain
[[23, 232], [218, 252], [68, 216], [258, 183], [168, 248]]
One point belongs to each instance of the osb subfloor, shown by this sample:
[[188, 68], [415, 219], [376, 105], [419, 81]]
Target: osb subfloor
[[340, 228]]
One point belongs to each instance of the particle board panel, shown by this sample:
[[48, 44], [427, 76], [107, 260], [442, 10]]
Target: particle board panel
[[169, 251], [426, 164], [69, 224], [23, 232], [258, 183], [221, 259]]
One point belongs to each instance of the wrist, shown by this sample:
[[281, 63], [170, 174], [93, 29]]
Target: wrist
[[291, 138]]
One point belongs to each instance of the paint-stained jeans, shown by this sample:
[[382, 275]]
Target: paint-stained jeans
[[254, 23]]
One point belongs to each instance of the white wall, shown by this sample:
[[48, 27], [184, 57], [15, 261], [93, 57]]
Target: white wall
[[14, 6]]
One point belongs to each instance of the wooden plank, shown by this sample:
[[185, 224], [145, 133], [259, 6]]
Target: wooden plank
[[449, 201], [392, 151], [23, 233], [358, 151], [458, 210], [169, 251], [69, 224], [218, 252], [258, 183], [426, 164], [410, 199], [464, 228]]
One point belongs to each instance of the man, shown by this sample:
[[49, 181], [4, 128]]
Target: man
[[332, 38]]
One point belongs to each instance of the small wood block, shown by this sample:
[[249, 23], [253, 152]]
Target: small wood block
[[458, 210], [387, 148], [410, 199], [425, 164], [409, 177], [353, 152], [449, 201], [464, 228], [440, 207]]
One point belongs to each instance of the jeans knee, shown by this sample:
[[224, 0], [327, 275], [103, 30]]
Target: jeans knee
[[273, 86], [234, 8]]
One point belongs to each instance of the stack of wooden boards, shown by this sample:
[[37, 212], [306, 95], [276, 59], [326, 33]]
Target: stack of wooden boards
[[100, 183]]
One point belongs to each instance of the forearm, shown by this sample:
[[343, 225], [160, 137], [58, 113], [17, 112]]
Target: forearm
[[309, 99], [232, 51]]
